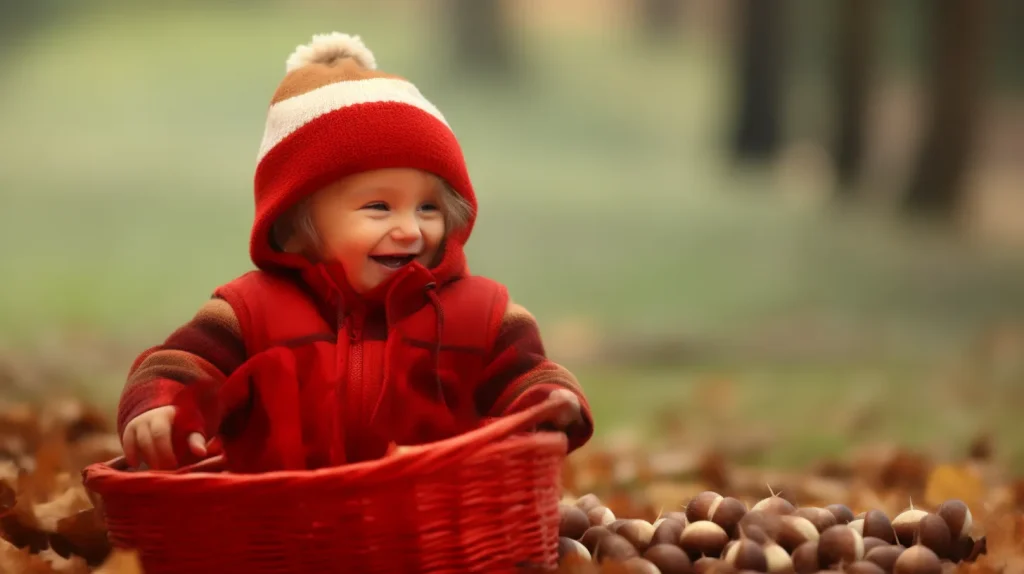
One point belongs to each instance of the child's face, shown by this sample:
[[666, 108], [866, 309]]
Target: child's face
[[375, 222]]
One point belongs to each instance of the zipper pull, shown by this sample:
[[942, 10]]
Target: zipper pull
[[355, 326]]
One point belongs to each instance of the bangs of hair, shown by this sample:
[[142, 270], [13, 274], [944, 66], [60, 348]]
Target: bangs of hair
[[457, 211], [295, 223]]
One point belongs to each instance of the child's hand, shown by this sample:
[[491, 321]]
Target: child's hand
[[147, 439], [571, 414]]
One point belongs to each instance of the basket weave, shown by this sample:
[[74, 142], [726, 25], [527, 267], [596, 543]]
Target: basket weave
[[485, 501]]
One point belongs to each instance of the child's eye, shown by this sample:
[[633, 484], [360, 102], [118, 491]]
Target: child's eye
[[429, 207], [376, 205]]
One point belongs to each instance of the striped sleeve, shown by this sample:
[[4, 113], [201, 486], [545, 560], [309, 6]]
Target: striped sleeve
[[208, 348], [519, 374]]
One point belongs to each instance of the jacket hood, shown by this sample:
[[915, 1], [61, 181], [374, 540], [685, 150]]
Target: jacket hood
[[333, 115]]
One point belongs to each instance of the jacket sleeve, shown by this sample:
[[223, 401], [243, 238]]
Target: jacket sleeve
[[519, 374], [206, 350]]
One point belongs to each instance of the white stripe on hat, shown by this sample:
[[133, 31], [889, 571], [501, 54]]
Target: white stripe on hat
[[287, 116]]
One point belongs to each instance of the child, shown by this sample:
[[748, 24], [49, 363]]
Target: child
[[361, 328]]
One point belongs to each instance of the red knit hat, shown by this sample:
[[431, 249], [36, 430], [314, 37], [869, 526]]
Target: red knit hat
[[334, 115]]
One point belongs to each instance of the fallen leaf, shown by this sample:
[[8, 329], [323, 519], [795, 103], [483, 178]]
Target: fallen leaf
[[82, 534], [1018, 493], [949, 481], [668, 496], [906, 470], [49, 462], [21, 528], [95, 448], [14, 559], [62, 565], [68, 503], [713, 470], [8, 498], [981, 447], [1004, 534], [121, 561]]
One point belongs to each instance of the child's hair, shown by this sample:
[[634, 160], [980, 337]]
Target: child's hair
[[297, 222]]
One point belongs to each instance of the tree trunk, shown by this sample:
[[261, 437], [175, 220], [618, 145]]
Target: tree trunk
[[482, 41], [661, 19], [19, 21], [1010, 44], [955, 81], [856, 38], [759, 64]]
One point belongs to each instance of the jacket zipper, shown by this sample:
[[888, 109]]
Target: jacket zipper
[[351, 395], [355, 366]]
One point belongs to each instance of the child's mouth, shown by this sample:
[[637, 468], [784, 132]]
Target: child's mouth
[[393, 261]]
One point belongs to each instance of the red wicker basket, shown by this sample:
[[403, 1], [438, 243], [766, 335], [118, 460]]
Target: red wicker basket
[[486, 501]]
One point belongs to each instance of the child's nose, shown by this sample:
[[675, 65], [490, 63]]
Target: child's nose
[[406, 229]]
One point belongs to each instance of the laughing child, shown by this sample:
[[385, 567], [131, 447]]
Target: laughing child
[[361, 327]]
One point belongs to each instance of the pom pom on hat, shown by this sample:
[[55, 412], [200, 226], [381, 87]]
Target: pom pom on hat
[[329, 48]]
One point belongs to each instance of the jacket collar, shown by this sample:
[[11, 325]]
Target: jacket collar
[[405, 292]]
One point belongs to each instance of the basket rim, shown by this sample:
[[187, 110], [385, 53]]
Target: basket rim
[[103, 479], [504, 433]]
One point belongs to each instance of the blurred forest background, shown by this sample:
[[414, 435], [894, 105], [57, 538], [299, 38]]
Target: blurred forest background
[[797, 224]]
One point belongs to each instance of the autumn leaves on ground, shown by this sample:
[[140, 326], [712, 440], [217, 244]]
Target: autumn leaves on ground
[[49, 523]]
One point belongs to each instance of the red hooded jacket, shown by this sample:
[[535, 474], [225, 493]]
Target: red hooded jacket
[[298, 371], [313, 375], [287, 364]]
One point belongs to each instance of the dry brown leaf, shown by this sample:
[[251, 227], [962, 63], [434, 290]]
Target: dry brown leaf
[[62, 565], [121, 561], [906, 470], [9, 473], [20, 420], [21, 528], [666, 496], [73, 418], [1011, 564], [600, 466], [832, 468], [819, 491], [755, 484], [948, 481], [626, 503], [49, 462], [1017, 489], [83, 534], [12, 447], [67, 503], [94, 448], [644, 471], [713, 470], [1004, 534], [8, 498], [981, 447], [13, 559], [571, 565], [674, 464], [577, 565]]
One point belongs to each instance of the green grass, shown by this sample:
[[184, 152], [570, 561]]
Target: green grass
[[126, 198], [803, 413]]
